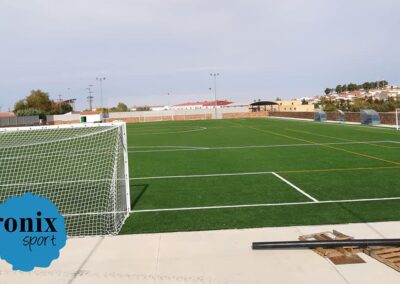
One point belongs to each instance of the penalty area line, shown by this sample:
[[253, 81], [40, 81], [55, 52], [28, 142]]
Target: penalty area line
[[235, 206], [265, 205], [206, 175], [295, 187]]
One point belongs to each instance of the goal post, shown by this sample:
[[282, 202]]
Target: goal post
[[82, 168], [397, 113]]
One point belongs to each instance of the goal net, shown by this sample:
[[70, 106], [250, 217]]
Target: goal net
[[81, 168]]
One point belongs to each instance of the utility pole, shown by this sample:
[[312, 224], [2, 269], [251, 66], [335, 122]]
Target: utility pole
[[101, 79], [60, 102], [90, 97], [215, 91]]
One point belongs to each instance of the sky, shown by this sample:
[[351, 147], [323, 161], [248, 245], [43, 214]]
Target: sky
[[262, 49]]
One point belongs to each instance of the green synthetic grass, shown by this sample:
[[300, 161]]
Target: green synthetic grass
[[296, 150], [212, 191]]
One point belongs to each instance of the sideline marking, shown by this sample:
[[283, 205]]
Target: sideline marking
[[295, 187], [264, 205]]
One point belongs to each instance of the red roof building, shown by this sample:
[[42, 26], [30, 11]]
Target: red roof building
[[204, 104], [7, 114]]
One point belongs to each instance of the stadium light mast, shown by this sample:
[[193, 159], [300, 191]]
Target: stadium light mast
[[215, 91], [101, 79]]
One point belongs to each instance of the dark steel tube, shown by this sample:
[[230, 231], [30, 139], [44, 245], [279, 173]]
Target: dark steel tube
[[326, 244]]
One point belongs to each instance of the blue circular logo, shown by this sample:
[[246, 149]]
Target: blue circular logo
[[32, 232]]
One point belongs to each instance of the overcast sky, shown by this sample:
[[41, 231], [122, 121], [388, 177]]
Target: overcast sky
[[149, 48]]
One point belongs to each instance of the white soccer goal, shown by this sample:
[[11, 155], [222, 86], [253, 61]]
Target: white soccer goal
[[397, 118], [82, 168]]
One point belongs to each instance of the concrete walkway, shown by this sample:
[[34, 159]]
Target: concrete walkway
[[207, 257]]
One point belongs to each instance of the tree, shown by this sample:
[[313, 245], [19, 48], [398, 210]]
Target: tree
[[66, 107], [338, 89], [328, 91], [40, 100], [39, 103], [60, 108], [122, 107], [366, 86], [304, 102], [20, 105], [143, 108], [382, 84], [352, 87], [30, 112], [330, 107]]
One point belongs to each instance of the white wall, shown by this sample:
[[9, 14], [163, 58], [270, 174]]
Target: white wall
[[117, 115], [19, 120], [63, 117]]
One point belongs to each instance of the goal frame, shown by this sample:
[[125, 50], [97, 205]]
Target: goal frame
[[124, 143], [397, 113]]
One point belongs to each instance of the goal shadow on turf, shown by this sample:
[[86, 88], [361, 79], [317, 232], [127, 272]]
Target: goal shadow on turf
[[358, 216], [141, 188]]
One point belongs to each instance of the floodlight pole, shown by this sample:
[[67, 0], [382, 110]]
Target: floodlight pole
[[215, 91], [101, 79]]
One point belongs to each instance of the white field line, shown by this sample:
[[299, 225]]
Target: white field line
[[183, 147], [137, 178], [170, 132], [237, 206], [206, 175], [337, 123], [190, 148], [61, 182], [264, 205], [295, 187]]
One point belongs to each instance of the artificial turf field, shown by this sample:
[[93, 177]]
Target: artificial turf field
[[246, 173]]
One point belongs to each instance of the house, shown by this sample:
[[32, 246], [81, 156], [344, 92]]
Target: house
[[292, 105]]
